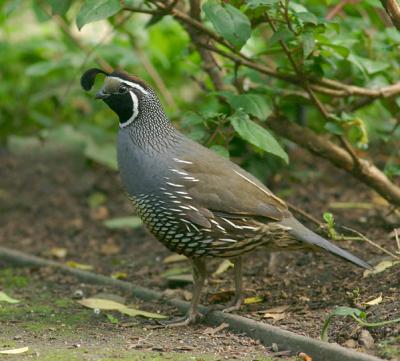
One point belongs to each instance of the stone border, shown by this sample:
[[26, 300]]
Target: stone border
[[267, 334]]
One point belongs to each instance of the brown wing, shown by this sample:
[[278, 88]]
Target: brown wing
[[218, 186]]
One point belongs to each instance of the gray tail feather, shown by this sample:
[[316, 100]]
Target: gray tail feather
[[304, 234]]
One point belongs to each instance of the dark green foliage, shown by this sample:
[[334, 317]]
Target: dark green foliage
[[40, 65]]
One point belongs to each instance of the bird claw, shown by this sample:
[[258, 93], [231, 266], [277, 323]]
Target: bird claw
[[233, 305], [231, 308], [189, 319]]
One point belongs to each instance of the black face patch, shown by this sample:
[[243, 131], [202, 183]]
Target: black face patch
[[122, 105]]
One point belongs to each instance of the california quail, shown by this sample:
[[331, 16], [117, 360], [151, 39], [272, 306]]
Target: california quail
[[195, 202]]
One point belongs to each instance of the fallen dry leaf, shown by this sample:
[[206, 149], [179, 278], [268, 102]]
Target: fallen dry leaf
[[380, 267], [251, 300], [223, 267], [374, 301], [119, 275], [84, 267], [213, 330], [134, 312], [14, 351], [58, 252], [109, 305], [304, 356], [277, 309], [100, 213], [110, 248], [6, 298], [220, 297], [101, 304], [275, 316], [175, 258], [187, 295]]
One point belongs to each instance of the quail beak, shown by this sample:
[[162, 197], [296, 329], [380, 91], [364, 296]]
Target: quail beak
[[102, 95]]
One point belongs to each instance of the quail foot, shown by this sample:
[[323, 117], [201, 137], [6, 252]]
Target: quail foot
[[192, 200]]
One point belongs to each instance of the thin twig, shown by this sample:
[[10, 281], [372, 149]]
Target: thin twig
[[326, 86], [338, 8], [396, 235], [152, 71], [392, 7], [371, 242], [287, 18]]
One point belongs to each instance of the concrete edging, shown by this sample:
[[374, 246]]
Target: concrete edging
[[267, 334]]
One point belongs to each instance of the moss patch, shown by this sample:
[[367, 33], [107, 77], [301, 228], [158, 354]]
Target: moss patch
[[9, 278], [390, 348]]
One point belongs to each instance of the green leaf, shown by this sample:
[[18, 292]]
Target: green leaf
[[123, 222], [334, 128], [219, 149], [307, 17], [340, 311], [392, 170], [112, 319], [59, 7], [229, 22], [253, 104], [281, 35], [94, 10], [257, 135], [328, 218], [368, 66], [254, 4], [308, 43]]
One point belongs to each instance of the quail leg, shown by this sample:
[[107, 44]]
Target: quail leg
[[199, 277], [237, 300]]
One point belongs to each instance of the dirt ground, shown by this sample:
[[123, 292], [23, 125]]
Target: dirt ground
[[57, 201]]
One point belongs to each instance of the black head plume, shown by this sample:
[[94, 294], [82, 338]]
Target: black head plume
[[88, 77]]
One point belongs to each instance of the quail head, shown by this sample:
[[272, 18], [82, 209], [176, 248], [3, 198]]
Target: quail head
[[195, 202]]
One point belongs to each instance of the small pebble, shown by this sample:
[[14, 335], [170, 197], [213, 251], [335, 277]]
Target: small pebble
[[275, 347], [350, 343], [78, 294], [366, 339]]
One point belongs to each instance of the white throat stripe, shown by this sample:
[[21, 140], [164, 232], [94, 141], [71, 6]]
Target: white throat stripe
[[135, 110]]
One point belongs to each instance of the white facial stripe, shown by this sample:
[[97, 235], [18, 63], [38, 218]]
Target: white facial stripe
[[135, 113], [132, 85]]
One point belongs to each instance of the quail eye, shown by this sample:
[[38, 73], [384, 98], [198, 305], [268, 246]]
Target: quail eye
[[122, 89]]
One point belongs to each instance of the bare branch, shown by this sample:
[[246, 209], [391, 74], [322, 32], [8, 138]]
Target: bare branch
[[152, 71], [199, 37], [325, 86], [392, 7], [366, 172]]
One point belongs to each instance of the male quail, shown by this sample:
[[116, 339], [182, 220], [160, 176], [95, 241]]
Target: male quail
[[195, 202]]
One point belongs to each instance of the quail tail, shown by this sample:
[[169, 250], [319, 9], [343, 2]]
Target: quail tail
[[306, 235]]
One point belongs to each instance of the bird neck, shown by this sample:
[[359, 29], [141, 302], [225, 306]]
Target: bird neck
[[152, 131]]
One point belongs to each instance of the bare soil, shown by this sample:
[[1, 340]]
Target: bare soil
[[49, 202]]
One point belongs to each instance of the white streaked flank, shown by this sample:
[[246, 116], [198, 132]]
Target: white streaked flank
[[175, 185], [178, 171], [181, 161]]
